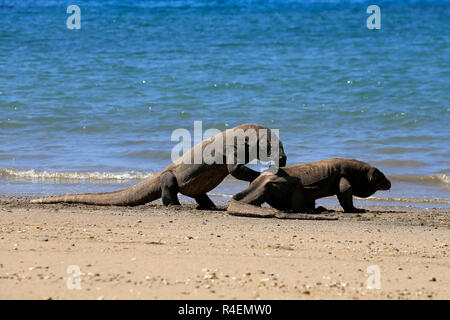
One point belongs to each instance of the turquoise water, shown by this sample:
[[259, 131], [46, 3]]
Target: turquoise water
[[93, 109]]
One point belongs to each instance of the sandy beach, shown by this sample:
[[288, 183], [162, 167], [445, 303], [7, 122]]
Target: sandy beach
[[153, 252]]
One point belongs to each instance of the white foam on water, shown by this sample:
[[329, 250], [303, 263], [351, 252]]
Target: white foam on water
[[436, 179], [63, 176]]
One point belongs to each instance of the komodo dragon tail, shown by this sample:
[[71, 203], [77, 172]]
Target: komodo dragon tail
[[146, 191], [237, 208]]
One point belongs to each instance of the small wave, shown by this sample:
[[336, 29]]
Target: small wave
[[400, 150], [72, 176], [441, 179], [147, 154], [375, 199], [409, 200], [400, 163], [221, 195]]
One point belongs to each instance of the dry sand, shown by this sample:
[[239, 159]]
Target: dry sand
[[152, 252]]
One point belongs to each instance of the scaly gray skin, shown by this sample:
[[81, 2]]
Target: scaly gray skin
[[296, 188], [193, 180]]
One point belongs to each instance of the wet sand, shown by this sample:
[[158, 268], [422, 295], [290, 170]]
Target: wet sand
[[153, 252]]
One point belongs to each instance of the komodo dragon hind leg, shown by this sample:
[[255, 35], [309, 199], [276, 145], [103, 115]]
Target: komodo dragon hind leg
[[169, 189], [204, 202], [237, 208]]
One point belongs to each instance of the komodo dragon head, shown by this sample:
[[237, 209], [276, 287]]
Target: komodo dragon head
[[255, 137], [378, 180], [272, 148], [366, 180]]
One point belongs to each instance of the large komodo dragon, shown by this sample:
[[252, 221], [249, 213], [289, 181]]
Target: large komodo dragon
[[190, 179], [296, 188]]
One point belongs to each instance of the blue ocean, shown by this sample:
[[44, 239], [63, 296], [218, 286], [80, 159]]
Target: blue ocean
[[93, 109]]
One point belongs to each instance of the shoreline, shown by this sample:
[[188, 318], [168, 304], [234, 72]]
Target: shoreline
[[381, 199], [410, 190], [153, 252]]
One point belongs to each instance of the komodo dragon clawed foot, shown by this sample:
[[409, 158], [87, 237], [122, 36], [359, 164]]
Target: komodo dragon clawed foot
[[204, 202], [321, 209]]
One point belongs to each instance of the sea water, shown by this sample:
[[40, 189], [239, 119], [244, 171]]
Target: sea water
[[93, 109]]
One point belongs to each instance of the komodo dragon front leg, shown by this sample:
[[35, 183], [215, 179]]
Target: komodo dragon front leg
[[204, 202], [241, 172], [345, 196], [169, 189]]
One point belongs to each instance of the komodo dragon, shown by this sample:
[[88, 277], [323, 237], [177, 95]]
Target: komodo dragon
[[296, 188], [191, 179]]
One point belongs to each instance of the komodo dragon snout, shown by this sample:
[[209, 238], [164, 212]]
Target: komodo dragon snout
[[378, 179], [282, 156]]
